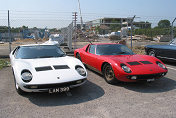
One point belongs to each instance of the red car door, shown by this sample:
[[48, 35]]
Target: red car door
[[90, 57]]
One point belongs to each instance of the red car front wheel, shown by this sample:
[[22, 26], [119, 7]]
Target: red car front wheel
[[109, 74]]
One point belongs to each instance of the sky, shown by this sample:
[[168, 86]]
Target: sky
[[48, 13]]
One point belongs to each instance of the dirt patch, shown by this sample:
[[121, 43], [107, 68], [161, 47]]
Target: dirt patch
[[139, 50]]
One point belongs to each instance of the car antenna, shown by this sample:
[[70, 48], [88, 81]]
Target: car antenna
[[88, 39]]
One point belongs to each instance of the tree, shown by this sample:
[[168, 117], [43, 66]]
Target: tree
[[3, 29], [164, 24], [24, 27]]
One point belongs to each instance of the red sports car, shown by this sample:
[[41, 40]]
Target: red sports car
[[118, 62]]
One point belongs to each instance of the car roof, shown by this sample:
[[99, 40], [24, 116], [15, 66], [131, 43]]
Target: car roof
[[106, 44], [35, 45]]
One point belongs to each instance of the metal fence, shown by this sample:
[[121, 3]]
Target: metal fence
[[34, 27], [37, 26]]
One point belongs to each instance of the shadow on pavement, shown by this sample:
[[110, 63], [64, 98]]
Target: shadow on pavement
[[87, 92], [161, 85]]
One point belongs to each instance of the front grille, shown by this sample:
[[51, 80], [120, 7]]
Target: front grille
[[145, 62], [44, 68], [61, 67], [148, 76], [48, 86], [133, 63]]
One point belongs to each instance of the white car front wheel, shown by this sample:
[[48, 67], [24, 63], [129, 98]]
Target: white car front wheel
[[18, 89]]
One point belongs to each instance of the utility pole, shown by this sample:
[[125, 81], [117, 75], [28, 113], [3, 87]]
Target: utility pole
[[132, 31], [75, 26], [80, 15], [9, 33], [172, 28]]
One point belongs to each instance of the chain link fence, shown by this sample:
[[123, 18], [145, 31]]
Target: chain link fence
[[21, 27], [26, 27]]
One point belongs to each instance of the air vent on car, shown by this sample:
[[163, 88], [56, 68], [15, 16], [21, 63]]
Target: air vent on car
[[61, 67], [145, 62], [133, 63], [44, 68]]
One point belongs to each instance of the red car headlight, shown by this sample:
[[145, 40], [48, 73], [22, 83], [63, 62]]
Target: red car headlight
[[161, 65], [125, 68]]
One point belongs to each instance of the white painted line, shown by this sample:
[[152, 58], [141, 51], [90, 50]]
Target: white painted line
[[171, 68]]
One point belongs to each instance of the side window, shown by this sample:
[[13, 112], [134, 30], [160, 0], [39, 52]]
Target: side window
[[92, 49]]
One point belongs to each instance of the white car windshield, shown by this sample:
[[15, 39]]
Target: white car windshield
[[39, 51]]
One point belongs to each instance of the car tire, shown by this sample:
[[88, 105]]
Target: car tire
[[152, 53], [78, 56], [18, 89], [109, 75]]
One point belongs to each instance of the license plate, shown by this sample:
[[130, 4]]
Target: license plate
[[150, 80], [59, 90]]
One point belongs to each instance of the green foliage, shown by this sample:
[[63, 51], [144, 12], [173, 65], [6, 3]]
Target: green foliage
[[164, 24], [163, 28], [152, 32], [24, 27], [98, 30], [142, 25], [3, 63], [4, 29], [114, 27]]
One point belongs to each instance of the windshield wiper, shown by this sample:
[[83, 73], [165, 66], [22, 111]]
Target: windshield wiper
[[45, 57], [122, 52], [62, 55]]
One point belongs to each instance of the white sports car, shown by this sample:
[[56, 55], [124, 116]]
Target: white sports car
[[45, 68]]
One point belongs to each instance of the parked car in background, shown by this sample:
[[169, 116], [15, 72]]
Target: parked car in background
[[167, 52], [115, 36], [1, 42], [45, 68], [118, 62]]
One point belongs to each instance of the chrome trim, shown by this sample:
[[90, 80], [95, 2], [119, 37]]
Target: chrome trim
[[166, 58]]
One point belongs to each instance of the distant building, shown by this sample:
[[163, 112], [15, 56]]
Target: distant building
[[105, 23]]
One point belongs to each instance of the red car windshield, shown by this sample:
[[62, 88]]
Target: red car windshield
[[113, 49]]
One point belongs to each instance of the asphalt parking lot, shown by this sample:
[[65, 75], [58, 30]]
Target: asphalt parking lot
[[95, 99]]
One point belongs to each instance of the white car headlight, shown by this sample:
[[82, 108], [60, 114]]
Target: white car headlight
[[161, 65], [26, 76], [125, 68], [80, 70]]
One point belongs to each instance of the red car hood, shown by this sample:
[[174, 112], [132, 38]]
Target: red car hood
[[140, 68], [126, 58]]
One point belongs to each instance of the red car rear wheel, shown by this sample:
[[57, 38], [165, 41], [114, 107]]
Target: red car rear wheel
[[78, 56]]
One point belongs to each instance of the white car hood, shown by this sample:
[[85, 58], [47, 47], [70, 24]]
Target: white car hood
[[65, 73]]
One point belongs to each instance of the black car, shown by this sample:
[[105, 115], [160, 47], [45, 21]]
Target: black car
[[167, 52]]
